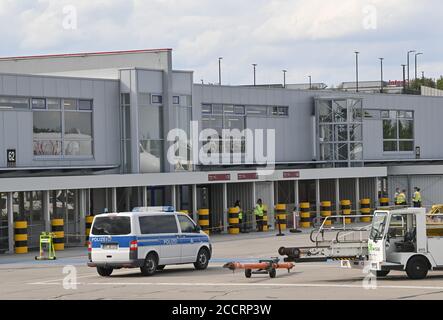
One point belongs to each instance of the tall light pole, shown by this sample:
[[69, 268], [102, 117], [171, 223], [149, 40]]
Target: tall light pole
[[356, 70], [416, 72], [310, 82], [284, 78], [409, 52], [381, 75], [219, 71], [404, 78], [254, 65]]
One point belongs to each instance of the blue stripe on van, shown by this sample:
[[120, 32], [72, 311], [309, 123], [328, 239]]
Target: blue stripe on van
[[143, 241]]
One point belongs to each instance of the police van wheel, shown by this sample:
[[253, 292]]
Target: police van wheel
[[202, 259], [104, 271], [150, 266]]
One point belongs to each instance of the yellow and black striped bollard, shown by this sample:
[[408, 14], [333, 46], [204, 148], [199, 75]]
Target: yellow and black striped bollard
[[281, 216], [346, 208], [384, 202], [365, 209], [265, 218], [203, 220], [326, 212], [58, 228], [234, 221], [305, 215], [88, 225], [21, 236]]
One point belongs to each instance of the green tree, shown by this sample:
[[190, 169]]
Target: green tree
[[427, 82], [440, 83]]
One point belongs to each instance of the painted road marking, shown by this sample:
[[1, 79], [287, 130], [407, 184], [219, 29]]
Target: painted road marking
[[295, 285]]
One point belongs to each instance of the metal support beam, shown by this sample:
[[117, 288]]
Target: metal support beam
[[144, 196], [357, 196], [376, 200], [194, 203], [271, 208], [254, 201], [317, 197], [82, 213], [337, 196], [10, 210], [46, 215], [296, 194], [114, 199], [174, 196], [225, 208]]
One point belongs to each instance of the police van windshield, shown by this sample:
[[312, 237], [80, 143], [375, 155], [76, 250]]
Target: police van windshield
[[112, 225]]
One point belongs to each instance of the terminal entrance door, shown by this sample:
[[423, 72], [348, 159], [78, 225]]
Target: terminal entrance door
[[4, 244], [65, 204]]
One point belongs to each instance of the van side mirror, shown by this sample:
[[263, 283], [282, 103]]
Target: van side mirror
[[197, 229]]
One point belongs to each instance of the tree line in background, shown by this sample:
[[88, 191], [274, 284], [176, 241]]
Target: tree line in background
[[428, 82]]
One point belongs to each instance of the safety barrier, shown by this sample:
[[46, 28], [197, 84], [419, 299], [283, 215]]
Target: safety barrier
[[265, 219], [21, 236], [280, 217], [58, 228], [326, 211], [234, 220], [346, 208], [305, 215], [203, 220], [384, 202], [88, 225], [365, 210]]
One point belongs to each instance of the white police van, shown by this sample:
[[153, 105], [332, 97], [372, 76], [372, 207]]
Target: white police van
[[147, 238]]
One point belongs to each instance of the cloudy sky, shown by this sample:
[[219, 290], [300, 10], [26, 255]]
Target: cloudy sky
[[306, 37]]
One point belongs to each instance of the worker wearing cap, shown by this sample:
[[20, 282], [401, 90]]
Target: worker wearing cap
[[401, 198], [259, 212], [416, 199]]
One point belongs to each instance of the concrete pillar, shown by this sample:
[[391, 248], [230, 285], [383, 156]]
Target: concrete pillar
[[46, 215], [10, 211], [144, 196], [317, 197], [357, 196], [271, 208], [376, 201], [114, 199], [194, 203], [296, 194], [337, 196], [174, 196], [254, 201], [225, 208], [82, 213]]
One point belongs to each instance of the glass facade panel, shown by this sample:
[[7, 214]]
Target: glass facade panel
[[256, 110], [47, 125], [14, 103], [53, 104], [389, 129], [406, 145], [78, 125], [150, 123], [38, 103], [4, 243], [151, 152], [390, 146], [406, 129], [70, 104], [85, 104], [78, 147], [47, 148]]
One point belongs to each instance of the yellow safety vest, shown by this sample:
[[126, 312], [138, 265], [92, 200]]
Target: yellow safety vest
[[401, 198], [259, 210], [240, 213], [417, 197]]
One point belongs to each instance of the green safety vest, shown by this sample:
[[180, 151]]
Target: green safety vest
[[259, 210], [417, 197]]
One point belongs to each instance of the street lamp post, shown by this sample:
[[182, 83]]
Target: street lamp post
[[284, 78], [404, 78], [254, 65], [409, 52], [219, 71], [356, 70], [381, 75], [416, 71]]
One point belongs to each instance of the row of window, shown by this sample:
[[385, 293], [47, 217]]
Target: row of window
[[263, 111], [398, 130], [387, 114], [45, 103], [62, 127], [158, 99]]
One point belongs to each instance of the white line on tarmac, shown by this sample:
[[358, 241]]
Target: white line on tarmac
[[300, 285]]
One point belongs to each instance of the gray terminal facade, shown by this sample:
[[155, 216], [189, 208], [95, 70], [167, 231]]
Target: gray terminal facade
[[81, 134]]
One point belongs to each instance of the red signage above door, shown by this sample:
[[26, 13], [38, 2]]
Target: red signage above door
[[247, 176], [219, 177], [291, 174]]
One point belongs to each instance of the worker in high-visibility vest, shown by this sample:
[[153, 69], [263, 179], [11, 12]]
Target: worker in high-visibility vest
[[259, 213], [416, 199], [397, 193], [401, 198]]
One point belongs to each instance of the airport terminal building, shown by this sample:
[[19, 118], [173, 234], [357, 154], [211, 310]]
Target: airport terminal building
[[82, 134]]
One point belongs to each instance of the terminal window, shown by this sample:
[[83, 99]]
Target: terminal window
[[398, 131], [62, 128]]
